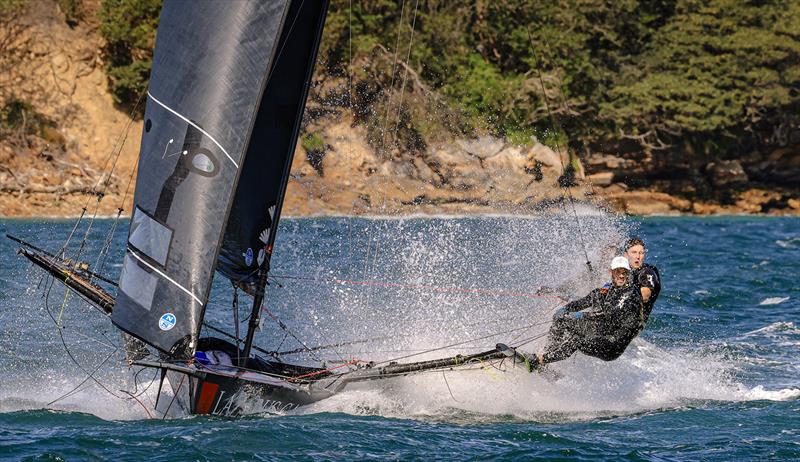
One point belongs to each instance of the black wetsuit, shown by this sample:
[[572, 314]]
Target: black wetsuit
[[601, 324], [648, 276]]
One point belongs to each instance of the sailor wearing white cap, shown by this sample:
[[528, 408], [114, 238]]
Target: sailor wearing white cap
[[601, 324]]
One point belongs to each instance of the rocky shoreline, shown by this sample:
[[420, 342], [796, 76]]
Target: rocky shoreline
[[467, 177], [70, 142]]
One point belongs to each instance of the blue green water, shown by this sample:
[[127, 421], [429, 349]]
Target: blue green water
[[715, 375]]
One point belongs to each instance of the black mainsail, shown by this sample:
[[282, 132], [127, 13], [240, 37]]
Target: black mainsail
[[226, 96]]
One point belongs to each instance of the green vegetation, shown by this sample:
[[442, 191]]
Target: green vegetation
[[314, 146], [129, 27], [18, 119], [312, 142], [703, 76], [73, 11], [716, 75]]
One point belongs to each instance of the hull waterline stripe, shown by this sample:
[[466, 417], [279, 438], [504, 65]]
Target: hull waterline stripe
[[160, 273], [195, 126]]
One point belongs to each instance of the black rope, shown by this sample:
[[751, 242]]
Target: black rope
[[88, 377], [516, 329], [123, 138], [63, 249], [557, 125], [60, 329]]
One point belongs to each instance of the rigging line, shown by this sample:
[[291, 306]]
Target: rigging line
[[104, 251], [516, 338], [489, 292], [286, 329], [391, 85], [60, 330], [352, 117], [135, 398], [453, 345], [525, 341], [407, 350], [63, 249], [87, 337], [125, 132], [118, 145], [85, 239], [235, 306], [101, 264], [470, 366], [565, 186], [375, 339], [405, 68], [155, 374], [230, 336], [325, 371], [106, 246], [288, 34], [388, 337], [121, 144], [136, 379], [382, 150], [75, 389], [175, 395]]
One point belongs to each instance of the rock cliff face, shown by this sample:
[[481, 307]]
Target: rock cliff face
[[678, 183], [61, 134], [58, 83], [479, 175]]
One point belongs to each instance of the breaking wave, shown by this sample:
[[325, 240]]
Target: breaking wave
[[645, 378], [773, 300], [791, 243]]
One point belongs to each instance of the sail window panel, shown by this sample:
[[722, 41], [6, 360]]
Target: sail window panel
[[150, 237], [137, 283]]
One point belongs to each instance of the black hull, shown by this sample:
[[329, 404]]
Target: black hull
[[228, 393]]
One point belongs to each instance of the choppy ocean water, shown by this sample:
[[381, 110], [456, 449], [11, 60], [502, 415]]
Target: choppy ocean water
[[715, 375]]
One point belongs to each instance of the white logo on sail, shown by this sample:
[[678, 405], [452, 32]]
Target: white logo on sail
[[167, 321]]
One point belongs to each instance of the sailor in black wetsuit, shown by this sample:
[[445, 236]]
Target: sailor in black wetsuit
[[645, 276], [601, 324]]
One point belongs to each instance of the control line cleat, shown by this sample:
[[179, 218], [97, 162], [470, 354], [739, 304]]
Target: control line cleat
[[531, 364]]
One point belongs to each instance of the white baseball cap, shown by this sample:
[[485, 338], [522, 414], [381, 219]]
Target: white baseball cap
[[620, 262]]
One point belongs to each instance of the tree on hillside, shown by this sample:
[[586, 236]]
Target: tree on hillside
[[692, 75], [129, 28], [719, 76]]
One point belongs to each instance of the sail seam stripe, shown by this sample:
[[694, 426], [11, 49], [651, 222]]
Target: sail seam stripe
[[165, 276], [195, 126]]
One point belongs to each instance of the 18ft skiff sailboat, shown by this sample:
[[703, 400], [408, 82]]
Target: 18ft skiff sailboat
[[227, 92]]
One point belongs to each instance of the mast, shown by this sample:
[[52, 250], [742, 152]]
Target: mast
[[255, 314], [307, 22]]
